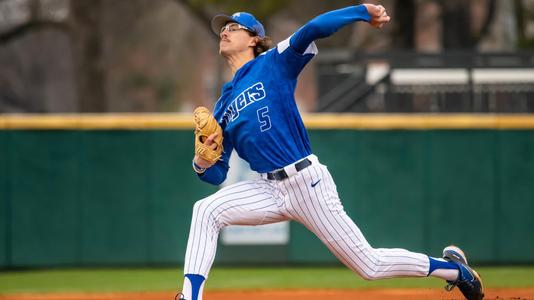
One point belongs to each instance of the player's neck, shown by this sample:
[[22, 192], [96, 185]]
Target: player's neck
[[235, 62]]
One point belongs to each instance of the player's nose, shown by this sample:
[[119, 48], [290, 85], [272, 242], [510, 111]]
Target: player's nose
[[224, 34]]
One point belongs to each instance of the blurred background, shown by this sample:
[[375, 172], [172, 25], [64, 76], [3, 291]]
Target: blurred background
[[160, 56], [73, 194]]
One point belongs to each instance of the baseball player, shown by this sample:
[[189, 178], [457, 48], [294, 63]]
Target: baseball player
[[257, 117]]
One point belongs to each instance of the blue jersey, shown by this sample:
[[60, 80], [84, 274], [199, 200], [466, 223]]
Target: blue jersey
[[257, 109]]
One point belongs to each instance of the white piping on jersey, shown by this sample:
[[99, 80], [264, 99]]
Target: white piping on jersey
[[283, 45]]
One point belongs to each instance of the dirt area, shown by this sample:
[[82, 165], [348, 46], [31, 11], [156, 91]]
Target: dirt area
[[403, 294]]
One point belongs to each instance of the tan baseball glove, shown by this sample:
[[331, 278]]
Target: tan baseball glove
[[206, 125]]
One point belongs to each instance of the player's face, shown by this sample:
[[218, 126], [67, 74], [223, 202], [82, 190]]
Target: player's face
[[235, 39]]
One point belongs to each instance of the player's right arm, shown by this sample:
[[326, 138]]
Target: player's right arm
[[213, 173], [294, 53], [329, 23]]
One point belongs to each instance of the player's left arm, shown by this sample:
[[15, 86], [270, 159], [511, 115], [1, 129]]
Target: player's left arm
[[214, 173], [329, 23]]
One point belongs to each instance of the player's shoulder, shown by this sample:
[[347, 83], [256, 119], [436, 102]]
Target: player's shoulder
[[265, 58]]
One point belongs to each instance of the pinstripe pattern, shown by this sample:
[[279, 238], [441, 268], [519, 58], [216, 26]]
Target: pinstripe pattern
[[252, 202], [319, 208]]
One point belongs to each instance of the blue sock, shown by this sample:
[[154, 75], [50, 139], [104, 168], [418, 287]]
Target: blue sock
[[196, 284], [440, 264]]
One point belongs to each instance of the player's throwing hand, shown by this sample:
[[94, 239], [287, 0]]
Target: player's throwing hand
[[379, 15]]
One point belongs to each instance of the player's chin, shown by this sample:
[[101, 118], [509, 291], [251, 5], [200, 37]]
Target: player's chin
[[224, 50]]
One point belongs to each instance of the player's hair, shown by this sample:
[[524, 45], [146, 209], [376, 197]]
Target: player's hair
[[262, 45]]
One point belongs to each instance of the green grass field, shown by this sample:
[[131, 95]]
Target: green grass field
[[122, 280]]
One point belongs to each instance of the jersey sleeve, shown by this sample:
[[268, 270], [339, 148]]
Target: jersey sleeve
[[288, 61], [217, 173], [292, 54]]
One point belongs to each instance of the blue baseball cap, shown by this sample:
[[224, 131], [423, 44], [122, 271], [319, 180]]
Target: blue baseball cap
[[242, 18]]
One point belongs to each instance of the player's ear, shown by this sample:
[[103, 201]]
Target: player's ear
[[254, 41]]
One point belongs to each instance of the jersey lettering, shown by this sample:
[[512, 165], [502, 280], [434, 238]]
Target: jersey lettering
[[257, 92], [252, 94]]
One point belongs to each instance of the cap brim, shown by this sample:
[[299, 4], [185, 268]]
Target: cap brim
[[218, 22]]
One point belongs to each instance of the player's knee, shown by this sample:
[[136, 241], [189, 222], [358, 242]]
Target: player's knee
[[196, 207], [370, 271], [199, 210], [203, 211], [371, 275], [365, 276], [368, 274]]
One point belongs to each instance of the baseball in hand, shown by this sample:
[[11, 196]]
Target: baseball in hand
[[379, 15]]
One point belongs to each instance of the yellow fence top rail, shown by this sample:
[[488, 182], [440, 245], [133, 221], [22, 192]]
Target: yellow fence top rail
[[312, 121]]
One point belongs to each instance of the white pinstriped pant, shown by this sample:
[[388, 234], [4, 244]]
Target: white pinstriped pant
[[262, 201]]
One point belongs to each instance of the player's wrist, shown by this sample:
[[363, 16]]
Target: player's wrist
[[363, 11], [198, 169]]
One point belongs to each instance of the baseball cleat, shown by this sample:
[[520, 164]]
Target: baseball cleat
[[468, 281], [179, 296]]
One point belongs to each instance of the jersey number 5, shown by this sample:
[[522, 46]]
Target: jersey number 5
[[264, 119]]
